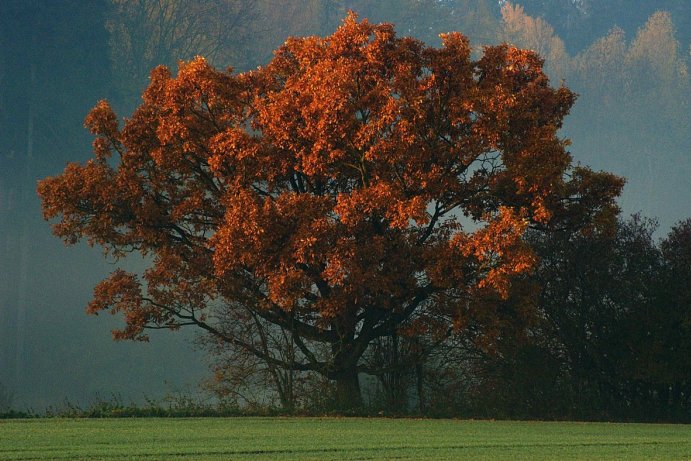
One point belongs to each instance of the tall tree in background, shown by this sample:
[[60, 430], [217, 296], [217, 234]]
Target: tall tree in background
[[656, 66], [600, 71], [668, 356], [537, 35], [358, 186], [144, 34], [593, 286], [613, 341]]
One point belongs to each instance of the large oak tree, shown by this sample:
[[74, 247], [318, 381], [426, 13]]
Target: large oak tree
[[358, 186]]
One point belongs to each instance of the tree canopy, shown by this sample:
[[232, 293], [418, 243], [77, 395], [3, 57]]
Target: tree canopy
[[358, 186]]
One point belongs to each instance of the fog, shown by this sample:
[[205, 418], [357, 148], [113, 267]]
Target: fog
[[628, 60]]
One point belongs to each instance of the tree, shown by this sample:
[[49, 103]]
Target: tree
[[609, 337], [535, 34], [144, 34], [613, 340], [595, 290], [357, 186], [600, 69], [667, 358]]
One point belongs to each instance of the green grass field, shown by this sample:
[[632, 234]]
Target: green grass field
[[336, 438]]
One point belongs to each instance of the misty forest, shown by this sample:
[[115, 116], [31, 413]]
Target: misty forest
[[472, 208]]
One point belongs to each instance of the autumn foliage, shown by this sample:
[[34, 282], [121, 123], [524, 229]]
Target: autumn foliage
[[358, 186]]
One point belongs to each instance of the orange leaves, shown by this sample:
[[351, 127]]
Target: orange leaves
[[234, 152], [103, 123], [358, 205], [155, 93], [502, 232], [336, 181], [102, 120], [182, 114], [271, 238], [242, 237], [409, 212], [452, 62], [178, 278], [88, 201], [192, 99], [498, 249], [121, 293], [381, 201], [351, 35], [456, 43]]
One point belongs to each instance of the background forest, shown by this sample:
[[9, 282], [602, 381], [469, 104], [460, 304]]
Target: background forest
[[612, 338]]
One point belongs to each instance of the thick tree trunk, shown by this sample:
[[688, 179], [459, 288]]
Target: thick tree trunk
[[348, 395], [344, 363]]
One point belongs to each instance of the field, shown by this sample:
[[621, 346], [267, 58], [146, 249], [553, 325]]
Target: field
[[336, 438]]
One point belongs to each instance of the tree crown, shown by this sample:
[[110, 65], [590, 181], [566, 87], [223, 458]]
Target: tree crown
[[357, 183]]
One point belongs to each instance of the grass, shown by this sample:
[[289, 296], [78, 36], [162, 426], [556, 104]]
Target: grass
[[335, 438]]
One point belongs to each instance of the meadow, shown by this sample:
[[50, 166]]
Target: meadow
[[278, 438]]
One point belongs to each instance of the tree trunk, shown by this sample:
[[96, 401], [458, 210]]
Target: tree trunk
[[348, 394], [344, 363]]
